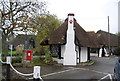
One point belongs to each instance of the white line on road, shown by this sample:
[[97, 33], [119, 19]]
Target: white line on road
[[109, 75], [57, 73], [72, 68], [93, 71]]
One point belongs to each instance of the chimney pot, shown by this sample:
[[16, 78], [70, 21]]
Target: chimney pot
[[70, 14]]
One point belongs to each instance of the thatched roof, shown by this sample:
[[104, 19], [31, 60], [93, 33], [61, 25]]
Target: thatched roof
[[103, 38], [94, 36], [84, 39], [59, 36]]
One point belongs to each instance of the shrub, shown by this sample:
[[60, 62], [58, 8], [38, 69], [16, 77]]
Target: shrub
[[16, 60], [117, 51], [36, 53], [48, 56], [38, 61], [19, 49]]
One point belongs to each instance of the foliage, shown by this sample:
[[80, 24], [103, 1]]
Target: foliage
[[36, 53], [43, 25], [18, 14], [117, 51], [19, 49], [38, 61], [17, 60], [14, 53], [15, 16], [48, 56], [118, 34], [90, 62]]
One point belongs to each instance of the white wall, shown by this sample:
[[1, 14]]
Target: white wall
[[77, 54], [83, 54], [70, 53], [62, 50]]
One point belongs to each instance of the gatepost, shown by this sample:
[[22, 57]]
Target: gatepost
[[36, 74], [8, 68]]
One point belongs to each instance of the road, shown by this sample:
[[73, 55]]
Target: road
[[101, 68]]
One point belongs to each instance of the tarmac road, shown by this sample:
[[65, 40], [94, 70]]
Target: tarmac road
[[104, 64], [101, 68]]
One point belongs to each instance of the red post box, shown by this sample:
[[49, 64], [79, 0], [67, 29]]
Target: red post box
[[29, 55]]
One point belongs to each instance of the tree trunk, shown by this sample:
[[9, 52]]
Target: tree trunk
[[24, 57], [4, 45]]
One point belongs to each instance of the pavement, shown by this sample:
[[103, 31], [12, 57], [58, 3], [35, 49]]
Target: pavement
[[102, 68]]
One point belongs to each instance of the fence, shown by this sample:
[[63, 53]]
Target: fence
[[35, 74]]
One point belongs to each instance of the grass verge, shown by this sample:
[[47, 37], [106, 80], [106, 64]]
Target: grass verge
[[90, 62]]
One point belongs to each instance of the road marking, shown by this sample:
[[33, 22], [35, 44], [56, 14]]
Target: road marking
[[94, 71], [109, 75], [57, 72], [72, 68]]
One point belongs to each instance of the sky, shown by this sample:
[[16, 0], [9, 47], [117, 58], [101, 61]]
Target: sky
[[92, 15]]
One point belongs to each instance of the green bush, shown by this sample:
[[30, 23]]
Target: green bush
[[38, 61], [16, 60], [117, 51], [36, 53], [48, 56], [14, 53], [42, 51]]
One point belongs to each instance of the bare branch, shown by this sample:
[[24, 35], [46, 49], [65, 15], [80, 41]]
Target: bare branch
[[16, 16], [7, 7]]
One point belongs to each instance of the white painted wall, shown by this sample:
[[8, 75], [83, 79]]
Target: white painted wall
[[77, 54], [62, 50], [83, 54], [70, 53], [94, 54], [100, 52]]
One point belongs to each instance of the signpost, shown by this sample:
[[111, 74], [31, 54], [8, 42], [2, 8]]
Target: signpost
[[11, 48]]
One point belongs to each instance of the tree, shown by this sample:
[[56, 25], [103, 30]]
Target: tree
[[118, 34], [117, 49], [16, 15], [44, 25]]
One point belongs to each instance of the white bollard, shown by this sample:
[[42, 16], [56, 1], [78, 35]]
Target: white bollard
[[8, 59], [36, 73], [8, 68]]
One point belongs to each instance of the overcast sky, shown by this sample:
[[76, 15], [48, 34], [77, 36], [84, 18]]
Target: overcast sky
[[90, 14]]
